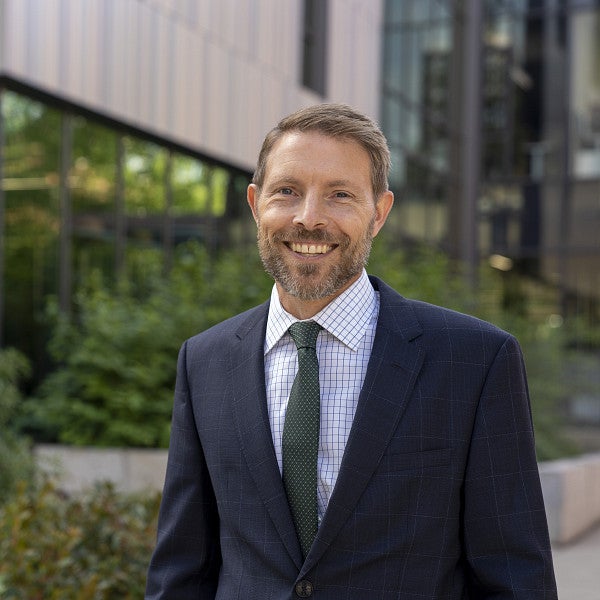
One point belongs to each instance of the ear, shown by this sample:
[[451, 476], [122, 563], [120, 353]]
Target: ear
[[252, 195], [382, 210]]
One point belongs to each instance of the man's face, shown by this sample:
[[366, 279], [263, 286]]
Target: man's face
[[316, 215]]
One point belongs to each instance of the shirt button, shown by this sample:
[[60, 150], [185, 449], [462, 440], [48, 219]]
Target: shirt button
[[304, 589]]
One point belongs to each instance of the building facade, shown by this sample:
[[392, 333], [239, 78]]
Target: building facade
[[131, 126], [492, 109]]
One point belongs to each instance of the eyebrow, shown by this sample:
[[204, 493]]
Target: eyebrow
[[284, 180], [340, 183]]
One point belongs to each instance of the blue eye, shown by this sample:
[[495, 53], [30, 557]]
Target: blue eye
[[286, 191]]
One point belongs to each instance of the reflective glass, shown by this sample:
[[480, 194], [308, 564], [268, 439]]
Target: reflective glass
[[32, 223], [145, 168], [415, 111], [190, 179], [145, 174], [585, 94], [92, 183]]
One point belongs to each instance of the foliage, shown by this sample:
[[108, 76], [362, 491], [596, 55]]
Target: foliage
[[117, 356], [429, 275], [549, 386], [15, 458], [115, 379], [91, 547], [421, 272]]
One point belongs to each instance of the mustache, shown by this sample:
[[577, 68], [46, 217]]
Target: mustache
[[300, 234]]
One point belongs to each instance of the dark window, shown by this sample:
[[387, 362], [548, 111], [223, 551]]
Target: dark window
[[315, 47]]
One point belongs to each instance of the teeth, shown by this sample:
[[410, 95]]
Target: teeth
[[310, 248]]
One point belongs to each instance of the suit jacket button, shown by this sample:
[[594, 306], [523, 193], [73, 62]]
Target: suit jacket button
[[304, 589]]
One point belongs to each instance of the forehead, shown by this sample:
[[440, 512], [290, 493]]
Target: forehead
[[312, 153]]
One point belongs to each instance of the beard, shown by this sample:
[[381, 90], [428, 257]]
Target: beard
[[313, 281]]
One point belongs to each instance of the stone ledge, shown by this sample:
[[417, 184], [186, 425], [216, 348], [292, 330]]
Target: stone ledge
[[571, 489], [77, 468]]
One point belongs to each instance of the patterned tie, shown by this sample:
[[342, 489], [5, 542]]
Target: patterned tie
[[300, 440]]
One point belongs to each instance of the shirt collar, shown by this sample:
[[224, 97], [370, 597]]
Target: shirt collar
[[346, 317]]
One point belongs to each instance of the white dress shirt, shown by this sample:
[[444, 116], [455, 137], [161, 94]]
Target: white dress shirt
[[343, 349]]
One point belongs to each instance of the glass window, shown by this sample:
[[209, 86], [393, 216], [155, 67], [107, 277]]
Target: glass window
[[92, 183], [585, 94], [145, 174], [145, 168], [191, 186], [32, 222], [218, 184], [124, 200], [198, 188], [315, 45]]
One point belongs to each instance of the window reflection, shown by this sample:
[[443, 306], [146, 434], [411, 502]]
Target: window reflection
[[145, 166], [119, 200], [191, 186], [585, 88], [31, 218], [92, 186]]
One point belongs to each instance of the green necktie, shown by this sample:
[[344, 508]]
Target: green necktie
[[300, 441]]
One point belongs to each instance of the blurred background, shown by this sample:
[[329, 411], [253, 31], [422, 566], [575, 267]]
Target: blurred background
[[129, 131]]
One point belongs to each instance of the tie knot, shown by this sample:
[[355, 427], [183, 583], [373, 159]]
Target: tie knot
[[304, 333]]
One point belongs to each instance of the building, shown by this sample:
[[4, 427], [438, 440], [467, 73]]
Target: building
[[492, 112], [133, 125], [130, 126]]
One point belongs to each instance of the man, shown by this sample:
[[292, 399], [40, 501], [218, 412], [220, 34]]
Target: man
[[421, 479]]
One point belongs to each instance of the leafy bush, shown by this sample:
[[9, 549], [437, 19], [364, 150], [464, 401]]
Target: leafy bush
[[15, 458], [117, 356], [424, 273], [545, 355], [92, 547], [429, 275]]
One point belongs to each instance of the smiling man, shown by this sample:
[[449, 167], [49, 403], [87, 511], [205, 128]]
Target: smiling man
[[316, 212], [341, 441]]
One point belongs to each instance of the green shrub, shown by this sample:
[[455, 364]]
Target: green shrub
[[117, 356], [545, 354], [92, 547], [429, 275], [16, 463], [423, 273]]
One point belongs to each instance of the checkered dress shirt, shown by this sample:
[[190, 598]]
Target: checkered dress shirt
[[343, 349]]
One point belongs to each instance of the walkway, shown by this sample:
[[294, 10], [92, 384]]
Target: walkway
[[577, 568]]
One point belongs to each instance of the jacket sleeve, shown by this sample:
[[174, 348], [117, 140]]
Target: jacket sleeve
[[187, 558], [505, 531]]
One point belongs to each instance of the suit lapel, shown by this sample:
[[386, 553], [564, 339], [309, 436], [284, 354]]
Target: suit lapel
[[252, 422], [395, 362]]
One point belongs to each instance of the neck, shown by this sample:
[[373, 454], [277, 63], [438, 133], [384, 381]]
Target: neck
[[306, 309]]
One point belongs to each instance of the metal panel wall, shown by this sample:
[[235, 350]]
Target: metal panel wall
[[212, 75]]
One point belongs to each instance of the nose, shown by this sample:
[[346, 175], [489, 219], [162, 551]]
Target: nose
[[311, 212]]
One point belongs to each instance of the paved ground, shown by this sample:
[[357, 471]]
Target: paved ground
[[577, 568]]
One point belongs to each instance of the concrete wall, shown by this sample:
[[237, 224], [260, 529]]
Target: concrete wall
[[212, 75], [572, 496], [571, 487], [77, 468]]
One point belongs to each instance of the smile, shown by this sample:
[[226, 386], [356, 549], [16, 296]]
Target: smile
[[311, 248]]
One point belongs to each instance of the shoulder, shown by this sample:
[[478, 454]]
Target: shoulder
[[226, 332], [432, 321]]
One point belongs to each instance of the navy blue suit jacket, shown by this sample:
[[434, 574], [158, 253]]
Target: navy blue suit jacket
[[438, 495]]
